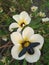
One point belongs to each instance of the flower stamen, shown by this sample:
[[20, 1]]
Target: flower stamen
[[22, 24], [25, 44]]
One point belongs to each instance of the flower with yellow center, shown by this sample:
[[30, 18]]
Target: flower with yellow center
[[26, 45], [34, 8], [41, 14], [21, 20]]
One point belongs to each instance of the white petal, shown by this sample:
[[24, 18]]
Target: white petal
[[33, 58], [12, 26], [37, 38], [15, 52], [16, 38], [25, 15], [45, 19], [16, 18], [27, 33], [19, 29]]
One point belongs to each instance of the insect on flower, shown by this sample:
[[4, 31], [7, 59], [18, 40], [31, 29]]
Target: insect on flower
[[26, 45], [21, 19]]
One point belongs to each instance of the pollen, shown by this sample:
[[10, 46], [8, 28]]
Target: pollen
[[22, 23], [26, 44]]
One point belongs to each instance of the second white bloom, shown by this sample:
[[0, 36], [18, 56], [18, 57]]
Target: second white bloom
[[21, 20]]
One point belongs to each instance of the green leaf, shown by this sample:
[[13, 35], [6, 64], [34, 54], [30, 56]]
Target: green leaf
[[24, 62], [16, 62], [1, 63]]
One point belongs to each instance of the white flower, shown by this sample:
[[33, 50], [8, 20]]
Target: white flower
[[3, 59], [41, 14], [12, 9], [21, 20], [27, 45], [45, 19], [4, 38], [1, 9], [34, 8]]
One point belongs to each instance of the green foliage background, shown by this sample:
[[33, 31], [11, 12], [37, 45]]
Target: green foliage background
[[39, 27]]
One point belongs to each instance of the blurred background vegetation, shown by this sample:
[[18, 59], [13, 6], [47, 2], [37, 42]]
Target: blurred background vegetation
[[10, 7]]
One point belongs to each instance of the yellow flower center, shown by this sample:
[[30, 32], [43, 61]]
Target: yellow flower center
[[22, 23], [25, 44]]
